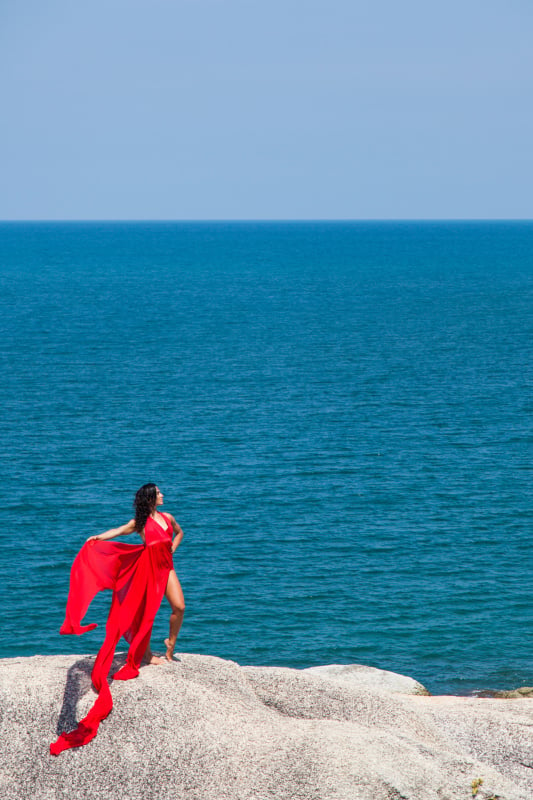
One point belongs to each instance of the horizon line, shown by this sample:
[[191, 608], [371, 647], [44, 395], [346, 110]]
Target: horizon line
[[266, 220]]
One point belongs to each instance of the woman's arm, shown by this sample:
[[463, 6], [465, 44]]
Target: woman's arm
[[112, 533], [177, 531]]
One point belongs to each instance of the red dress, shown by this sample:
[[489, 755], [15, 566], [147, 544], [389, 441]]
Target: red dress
[[138, 576]]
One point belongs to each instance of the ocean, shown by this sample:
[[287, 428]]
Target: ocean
[[338, 414]]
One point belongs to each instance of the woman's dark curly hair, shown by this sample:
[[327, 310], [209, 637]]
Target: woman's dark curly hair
[[144, 504]]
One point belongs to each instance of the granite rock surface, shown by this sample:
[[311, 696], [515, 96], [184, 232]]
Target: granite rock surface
[[362, 677], [202, 728]]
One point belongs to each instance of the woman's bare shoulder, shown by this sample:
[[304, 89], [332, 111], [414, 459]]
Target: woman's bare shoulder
[[173, 521]]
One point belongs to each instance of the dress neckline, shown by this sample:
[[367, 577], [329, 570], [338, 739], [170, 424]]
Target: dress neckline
[[158, 523]]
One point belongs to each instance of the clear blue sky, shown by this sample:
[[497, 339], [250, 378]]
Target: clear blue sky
[[266, 109]]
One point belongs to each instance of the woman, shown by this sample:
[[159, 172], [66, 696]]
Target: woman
[[139, 576], [146, 501]]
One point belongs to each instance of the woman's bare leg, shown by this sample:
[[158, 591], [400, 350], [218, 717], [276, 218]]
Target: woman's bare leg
[[174, 595]]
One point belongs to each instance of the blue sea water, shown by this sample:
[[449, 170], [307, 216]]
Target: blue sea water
[[338, 414]]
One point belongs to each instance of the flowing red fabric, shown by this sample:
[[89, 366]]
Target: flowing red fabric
[[137, 575]]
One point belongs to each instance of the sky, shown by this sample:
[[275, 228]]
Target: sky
[[279, 109]]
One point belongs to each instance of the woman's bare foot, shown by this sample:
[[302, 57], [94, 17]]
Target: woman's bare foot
[[149, 658], [170, 649]]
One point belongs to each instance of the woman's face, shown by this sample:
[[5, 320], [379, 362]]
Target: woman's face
[[158, 497]]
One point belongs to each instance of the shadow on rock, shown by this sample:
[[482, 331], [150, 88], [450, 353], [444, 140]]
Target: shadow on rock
[[79, 684]]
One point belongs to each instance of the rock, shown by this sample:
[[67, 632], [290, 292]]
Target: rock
[[206, 729], [360, 677], [522, 691]]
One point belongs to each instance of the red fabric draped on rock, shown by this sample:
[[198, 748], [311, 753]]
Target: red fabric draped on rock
[[138, 576]]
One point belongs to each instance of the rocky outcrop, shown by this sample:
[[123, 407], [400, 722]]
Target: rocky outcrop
[[511, 694], [206, 729], [361, 677]]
